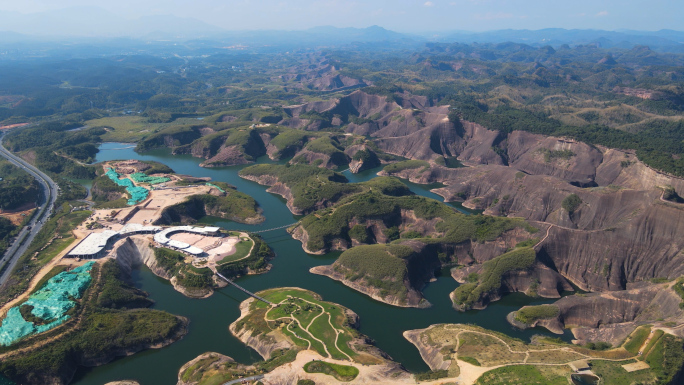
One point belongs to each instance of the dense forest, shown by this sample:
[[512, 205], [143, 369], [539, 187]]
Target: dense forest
[[17, 187]]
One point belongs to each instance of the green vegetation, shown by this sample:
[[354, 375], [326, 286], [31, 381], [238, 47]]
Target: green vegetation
[[553, 155], [306, 382], [126, 129], [104, 331], [306, 308], [310, 185], [131, 129], [106, 190], [406, 165], [431, 376], [340, 372], [598, 346], [256, 261], [612, 373], [116, 293], [176, 135], [242, 249], [528, 243], [187, 276], [521, 375], [380, 266], [288, 142], [670, 194], [360, 234], [7, 231], [529, 314], [678, 288], [449, 162], [157, 168], [654, 340], [384, 199], [235, 205], [17, 187], [666, 358], [571, 203], [637, 339], [470, 360], [331, 147], [169, 260], [466, 295]]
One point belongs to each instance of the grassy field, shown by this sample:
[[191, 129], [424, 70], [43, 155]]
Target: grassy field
[[524, 375], [636, 339], [530, 314], [125, 128], [305, 307], [56, 247], [612, 373], [129, 129], [487, 350], [656, 337], [242, 249], [541, 362], [340, 372]]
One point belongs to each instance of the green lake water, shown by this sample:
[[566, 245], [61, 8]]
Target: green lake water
[[209, 318]]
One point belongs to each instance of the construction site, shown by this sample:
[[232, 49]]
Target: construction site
[[103, 234], [149, 196]]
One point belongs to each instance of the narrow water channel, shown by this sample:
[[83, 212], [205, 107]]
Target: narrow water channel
[[209, 318]]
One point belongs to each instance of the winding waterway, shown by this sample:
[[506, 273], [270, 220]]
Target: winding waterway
[[209, 318]]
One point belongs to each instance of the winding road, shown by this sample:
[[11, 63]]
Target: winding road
[[45, 207]]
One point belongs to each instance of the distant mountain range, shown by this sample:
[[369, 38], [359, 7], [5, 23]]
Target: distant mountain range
[[79, 23], [558, 36]]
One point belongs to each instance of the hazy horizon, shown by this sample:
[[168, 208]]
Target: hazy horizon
[[406, 16]]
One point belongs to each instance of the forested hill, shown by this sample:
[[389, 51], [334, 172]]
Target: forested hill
[[623, 97], [17, 188]]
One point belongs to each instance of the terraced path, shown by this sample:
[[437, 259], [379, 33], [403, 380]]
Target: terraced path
[[308, 326]]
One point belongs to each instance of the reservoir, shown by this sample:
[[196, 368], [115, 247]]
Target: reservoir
[[210, 318]]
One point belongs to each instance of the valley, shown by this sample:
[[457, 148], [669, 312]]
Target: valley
[[408, 218]]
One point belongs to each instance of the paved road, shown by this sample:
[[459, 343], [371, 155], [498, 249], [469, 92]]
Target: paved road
[[26, 235]]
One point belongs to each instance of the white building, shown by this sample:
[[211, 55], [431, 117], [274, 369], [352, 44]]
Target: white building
[[94, 245]]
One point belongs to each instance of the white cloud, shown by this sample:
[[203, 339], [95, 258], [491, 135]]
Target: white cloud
[[602, 13], [429, 4]]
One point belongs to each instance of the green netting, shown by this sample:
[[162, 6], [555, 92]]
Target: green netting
[[50, 303], [6, 381], [217, 187], [140, 177], [138, 194]]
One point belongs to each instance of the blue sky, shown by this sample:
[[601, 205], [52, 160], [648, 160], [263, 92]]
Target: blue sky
[[398, 15]]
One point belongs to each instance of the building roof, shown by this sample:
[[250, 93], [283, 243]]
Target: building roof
[[194, 250], [93, 243], [136, 227], [163, 236], [96, 242], [177, 244]]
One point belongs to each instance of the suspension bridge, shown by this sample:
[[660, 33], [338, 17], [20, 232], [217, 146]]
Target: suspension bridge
[[230, 281], [275, 228], [242, 288]]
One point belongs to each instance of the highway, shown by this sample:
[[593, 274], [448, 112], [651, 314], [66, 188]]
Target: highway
[[45, 208]]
